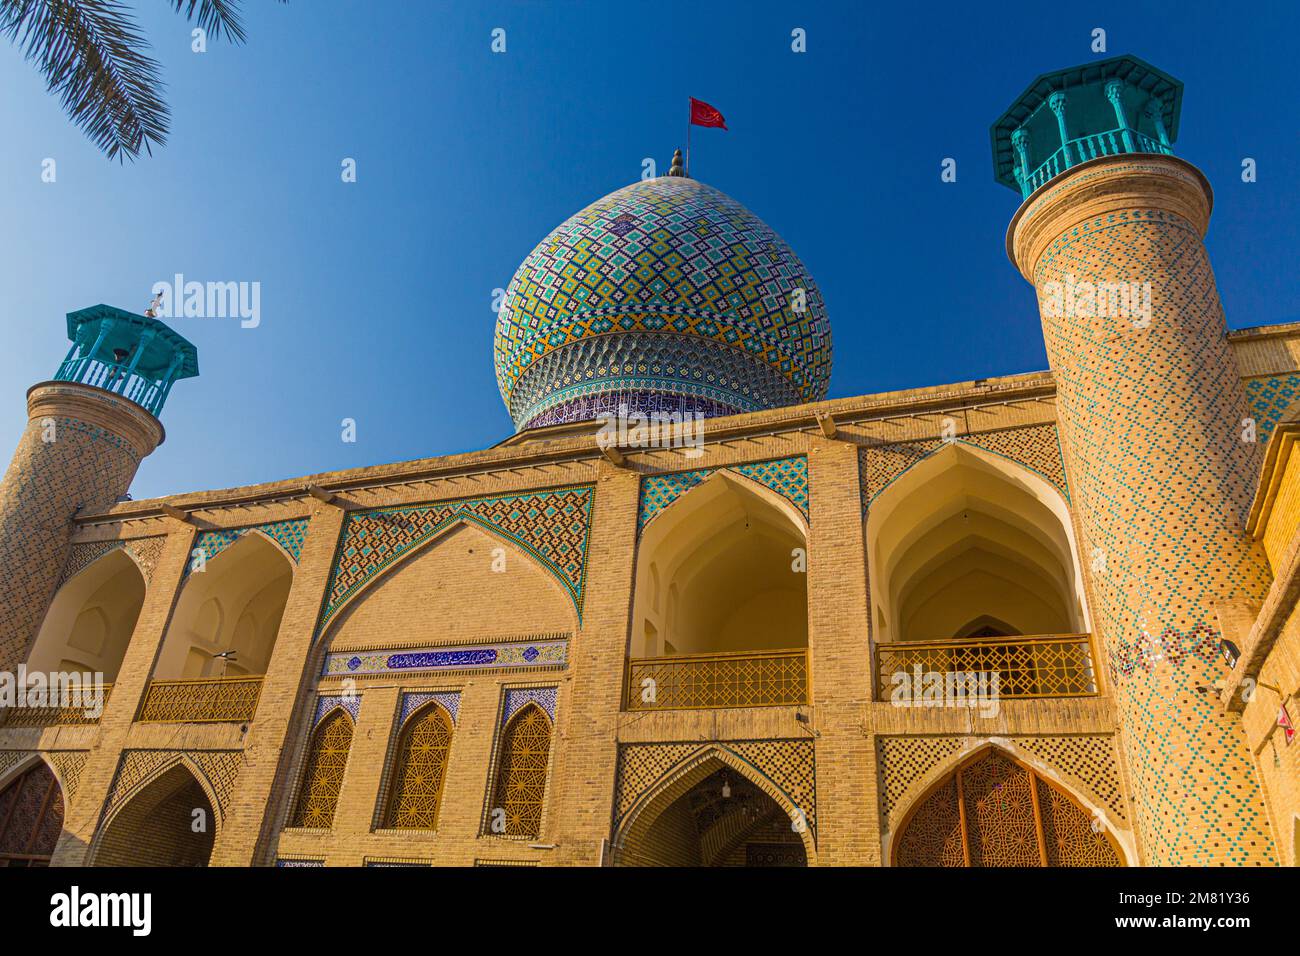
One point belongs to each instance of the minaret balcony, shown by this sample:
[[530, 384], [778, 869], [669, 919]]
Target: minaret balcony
[[1081, 149]]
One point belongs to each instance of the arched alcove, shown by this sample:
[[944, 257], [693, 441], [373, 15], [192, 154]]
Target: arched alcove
[[712, 812], [91, 619], [466, 585], [965, 540], [169, 821], [730, 552], [234, 605]]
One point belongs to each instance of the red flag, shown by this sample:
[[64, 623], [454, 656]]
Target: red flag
[[1284, 721], [702, 114]]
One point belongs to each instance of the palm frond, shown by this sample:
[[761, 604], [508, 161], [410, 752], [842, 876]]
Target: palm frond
[[93, 56], [216, 17]]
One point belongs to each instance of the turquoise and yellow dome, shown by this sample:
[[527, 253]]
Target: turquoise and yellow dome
[[665, 296]]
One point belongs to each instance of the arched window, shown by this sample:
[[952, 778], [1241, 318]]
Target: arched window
[[322, 778], [419, 771], [995, 811], [31, 818], [521, 772]]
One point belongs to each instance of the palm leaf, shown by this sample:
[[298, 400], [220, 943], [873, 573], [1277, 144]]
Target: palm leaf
[[216, 17], [93, 56]]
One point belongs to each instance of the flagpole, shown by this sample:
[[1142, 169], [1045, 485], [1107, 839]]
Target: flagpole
[[688, 136]]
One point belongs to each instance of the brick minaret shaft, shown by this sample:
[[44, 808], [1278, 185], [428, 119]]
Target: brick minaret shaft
[[1151, 421], [80, 450]]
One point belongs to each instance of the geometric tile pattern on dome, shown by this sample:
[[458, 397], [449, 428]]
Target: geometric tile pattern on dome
[[790, 765], [669, 255], [289, 534], [1037, 447], [657, 367], [1270, 398], [551, 526], [1150, 419], [788, 477]]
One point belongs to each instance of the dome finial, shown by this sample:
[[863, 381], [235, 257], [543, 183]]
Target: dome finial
[[677, 168]]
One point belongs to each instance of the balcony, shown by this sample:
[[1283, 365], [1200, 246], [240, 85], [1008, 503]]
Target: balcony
[[705, 681], [1083, 148], [50, 716], [210, 700], [1035, 666]]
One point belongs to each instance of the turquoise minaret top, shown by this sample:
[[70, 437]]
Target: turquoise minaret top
[[130, 355], [1120, 105]]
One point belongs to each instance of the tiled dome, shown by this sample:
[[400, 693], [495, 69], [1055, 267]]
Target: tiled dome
[[664, 296]]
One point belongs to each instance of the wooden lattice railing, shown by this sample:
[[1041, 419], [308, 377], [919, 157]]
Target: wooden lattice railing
[[52, 716], [746, 679], [200, 701], [1040, 665]]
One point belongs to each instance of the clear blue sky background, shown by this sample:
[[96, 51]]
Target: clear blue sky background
[[376, 296]]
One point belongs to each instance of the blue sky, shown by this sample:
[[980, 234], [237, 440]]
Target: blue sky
[[376, 296]]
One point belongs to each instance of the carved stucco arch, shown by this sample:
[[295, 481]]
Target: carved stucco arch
[[936, 776], [684, 775], [464, 519]]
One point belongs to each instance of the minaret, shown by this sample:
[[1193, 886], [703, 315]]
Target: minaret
[[87, 431], [1151, 414]]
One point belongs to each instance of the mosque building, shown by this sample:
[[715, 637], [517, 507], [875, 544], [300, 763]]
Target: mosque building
[[1046, 619]]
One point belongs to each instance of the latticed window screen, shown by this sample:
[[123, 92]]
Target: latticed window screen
[[419, 770], [31, 818], [994, 811], [322, 779], [521, 772]]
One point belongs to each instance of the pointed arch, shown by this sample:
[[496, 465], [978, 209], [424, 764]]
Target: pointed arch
[[419, 769], [235, 604], [633, 833], [966, 532], [990, 806], [335, 616], [170, 817], [324, 766], [90, 621], [31, 812], [724, 551], [522, 764]]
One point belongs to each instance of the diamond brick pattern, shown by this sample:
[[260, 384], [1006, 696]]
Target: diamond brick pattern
[[1162, 482], [288, 534], [1037, 447], [788, 477], [551, 526]]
